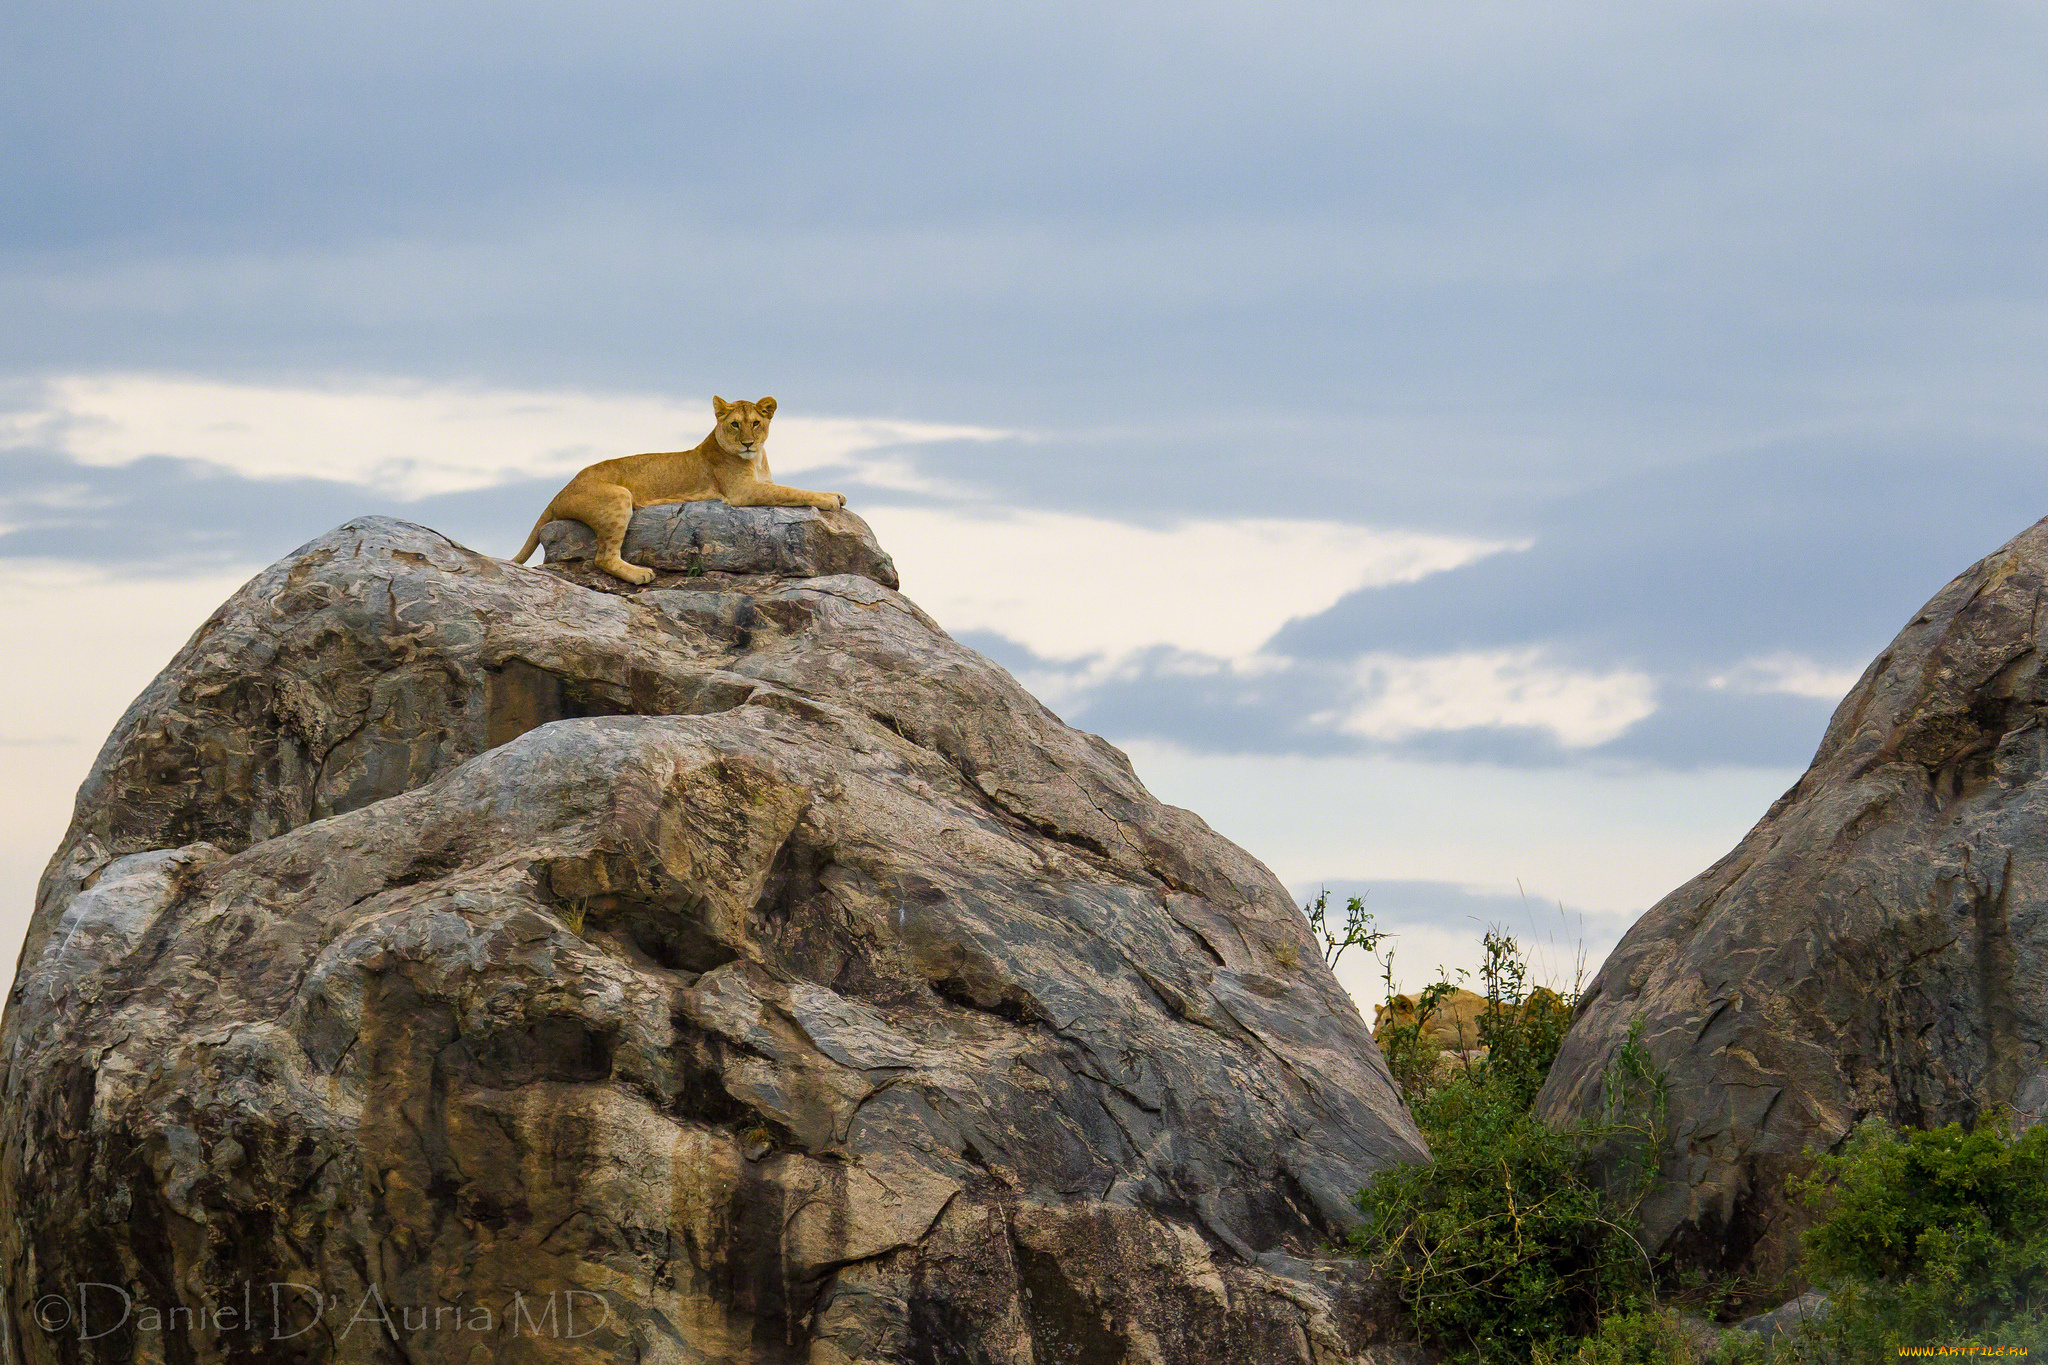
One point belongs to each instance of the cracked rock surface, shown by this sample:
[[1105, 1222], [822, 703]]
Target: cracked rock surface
[[1878, 944], [736, 968]]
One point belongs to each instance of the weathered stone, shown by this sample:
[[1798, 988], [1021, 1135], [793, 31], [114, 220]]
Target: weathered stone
[[1787, 1318], [737, 961], [1878, 944], [713, 537]]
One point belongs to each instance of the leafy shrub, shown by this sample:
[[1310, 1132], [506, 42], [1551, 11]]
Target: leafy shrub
[[1521, 1031], [1929, 1238], [1506, 1247], [1412, 1058], [1642, 1336], [1357, 931], [1505, 1243]]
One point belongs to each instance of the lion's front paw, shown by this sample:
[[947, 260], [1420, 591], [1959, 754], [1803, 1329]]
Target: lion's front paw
[[838, 499]]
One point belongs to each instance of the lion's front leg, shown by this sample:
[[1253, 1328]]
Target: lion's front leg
[[782, 495]]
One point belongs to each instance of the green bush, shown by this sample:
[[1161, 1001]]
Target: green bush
[[1643, 1336], [1929, 1238], [1505, 1247], [1520, 1030], [1505, 1244]]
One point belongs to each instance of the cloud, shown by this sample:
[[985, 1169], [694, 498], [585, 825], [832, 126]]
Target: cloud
[[1092, 592], [1606, 838], [1398, 698], [1793, 675], [1707, 612], [1449, 847], [1741, 592], [160, 515], [1613, 230], [171, 469], [412, 439]]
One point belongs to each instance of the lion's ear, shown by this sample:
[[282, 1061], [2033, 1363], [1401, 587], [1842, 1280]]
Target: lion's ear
[[719, 407], [766, 407]]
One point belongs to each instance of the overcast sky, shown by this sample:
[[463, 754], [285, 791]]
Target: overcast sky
[[1464, 451]]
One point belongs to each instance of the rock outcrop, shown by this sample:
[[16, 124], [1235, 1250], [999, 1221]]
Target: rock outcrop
[[710, 536], [1878, 944], [455, 961]]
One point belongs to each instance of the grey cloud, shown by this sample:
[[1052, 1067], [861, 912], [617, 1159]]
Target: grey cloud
[[169, 515], [219, 114], [1220, 712], [1557, 229], [1676, 585], [159, 512], [163, 513], [1166, 694], [1818, 547], [1702, 727], [1162, 694], [1746, 344]]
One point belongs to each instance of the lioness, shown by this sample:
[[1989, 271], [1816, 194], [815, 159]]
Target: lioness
[[1454, 1021], [730, 464]]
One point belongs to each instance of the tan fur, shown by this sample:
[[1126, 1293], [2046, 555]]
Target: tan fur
[[1454, 1023], [730, 464]]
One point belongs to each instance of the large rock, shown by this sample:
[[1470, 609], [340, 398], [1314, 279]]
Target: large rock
[[737, 961], [1878, 944]]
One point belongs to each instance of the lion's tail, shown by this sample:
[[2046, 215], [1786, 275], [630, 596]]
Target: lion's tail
[[532, 541]]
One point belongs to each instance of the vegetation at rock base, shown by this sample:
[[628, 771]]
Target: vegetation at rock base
[[1926, 1238], [1506, 1244], [1506, 1247]]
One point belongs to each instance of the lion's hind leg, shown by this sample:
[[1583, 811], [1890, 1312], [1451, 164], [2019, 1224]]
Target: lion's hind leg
[[607, 509]]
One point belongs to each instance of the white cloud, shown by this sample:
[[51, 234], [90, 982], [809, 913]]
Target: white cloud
[[1791, 674], [1399, 698], [414, 438], [1070, 587]]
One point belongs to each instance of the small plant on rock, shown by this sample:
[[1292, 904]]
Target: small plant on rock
[[1357, 931]]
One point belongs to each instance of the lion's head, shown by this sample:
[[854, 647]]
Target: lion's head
[[742, 427]]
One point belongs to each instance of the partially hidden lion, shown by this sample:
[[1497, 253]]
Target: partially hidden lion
[[1453, 1022], [730, 464]]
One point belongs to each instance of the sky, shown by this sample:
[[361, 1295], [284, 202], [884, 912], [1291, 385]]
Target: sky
[[1463, 451]]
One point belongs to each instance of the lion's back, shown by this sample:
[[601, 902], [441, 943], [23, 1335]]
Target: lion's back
[[661, 476]]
